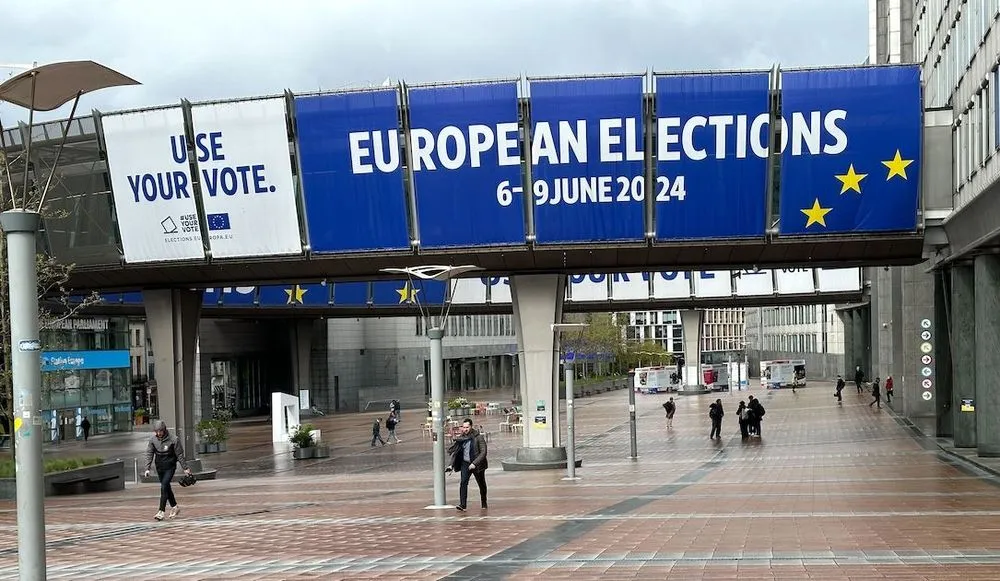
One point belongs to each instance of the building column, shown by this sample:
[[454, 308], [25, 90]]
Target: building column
[[538, 303], [172, 317], [301, 335], [944, 398], [858, 332], [847, 317], [963, 353], [692, 322], [987, 313]]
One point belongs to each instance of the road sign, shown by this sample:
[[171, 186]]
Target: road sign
[[926, 323], [926, 372], [925, 359], [925, 335], [927, 384], [927, 396], [926, 347]]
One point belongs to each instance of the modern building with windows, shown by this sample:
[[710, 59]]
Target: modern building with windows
[[723, 332], [814, 333], [86, 372]]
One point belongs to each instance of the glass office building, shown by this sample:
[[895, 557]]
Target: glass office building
[[86, 372]]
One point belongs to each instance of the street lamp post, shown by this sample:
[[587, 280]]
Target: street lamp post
[[435, 333], [558, 329], [44, 88]]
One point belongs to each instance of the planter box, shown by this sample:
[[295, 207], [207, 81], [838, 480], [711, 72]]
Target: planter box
[[304, 453], [105, 477], [321, 451], [209, 448]]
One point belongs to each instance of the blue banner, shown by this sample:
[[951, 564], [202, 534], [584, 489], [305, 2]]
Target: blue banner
[[350, 294], [466, 165], [287, 295], [402, 293], [587, 158], [711, 168], [352, 177], [240, 296], [851, 143], [75, 360]]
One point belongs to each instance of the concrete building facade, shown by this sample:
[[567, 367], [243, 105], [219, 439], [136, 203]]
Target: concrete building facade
[[814, 333]]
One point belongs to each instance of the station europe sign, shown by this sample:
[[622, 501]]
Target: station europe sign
[[496, 290], [453, 175]]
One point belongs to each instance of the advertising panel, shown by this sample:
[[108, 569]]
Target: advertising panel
[[793, 281], [712, 143], [246, 178], [713, 283], [587, 159], [671, 285], [466, 165], [851, 150], [838, 279], [588, 287], [469, 291], [753, 283], [630, 286], [352, 177], [151, 185]]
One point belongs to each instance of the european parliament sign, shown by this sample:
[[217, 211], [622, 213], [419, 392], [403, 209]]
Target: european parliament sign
[[78, 360], [608, 160]]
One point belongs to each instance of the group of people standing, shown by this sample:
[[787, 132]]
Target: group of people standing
[[748, 412]]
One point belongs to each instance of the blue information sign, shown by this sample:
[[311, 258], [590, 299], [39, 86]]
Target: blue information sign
[[587, 159], [851, 157], [466, 165], [352, 177], [711, 169], [74, 360]]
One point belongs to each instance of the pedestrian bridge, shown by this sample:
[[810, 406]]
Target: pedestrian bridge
[[584, 293], [623, 173]]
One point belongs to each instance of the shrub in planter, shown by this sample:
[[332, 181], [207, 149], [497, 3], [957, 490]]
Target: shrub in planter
[[212, 434], [302, 440]]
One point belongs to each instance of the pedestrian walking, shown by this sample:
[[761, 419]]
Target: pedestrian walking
[[840, 388], [876, 394], [377, 432], [85, 426], [888, 389], [469, 458], [670, 407], [167, 452], [390, 424], [715, 412]]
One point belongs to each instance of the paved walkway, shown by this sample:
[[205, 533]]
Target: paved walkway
[[829, 493]]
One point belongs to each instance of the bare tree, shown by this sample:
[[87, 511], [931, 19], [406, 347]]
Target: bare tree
[[56, 300]]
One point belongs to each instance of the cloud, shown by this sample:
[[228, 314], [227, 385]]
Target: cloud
[[215, 49]]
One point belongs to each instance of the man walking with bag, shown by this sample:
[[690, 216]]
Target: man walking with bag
[[166, 449], [468, 458]]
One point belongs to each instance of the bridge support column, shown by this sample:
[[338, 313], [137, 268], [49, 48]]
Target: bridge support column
[[987, 299], [692, 322], [847, 317], [172, 316], [301, 331], [963, 354], [860, 334], [538, 303]]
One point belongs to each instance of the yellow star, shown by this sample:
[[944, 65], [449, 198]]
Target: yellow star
[[816, 214], [407, 294], [295, 295], [897, 166], [851, 180]]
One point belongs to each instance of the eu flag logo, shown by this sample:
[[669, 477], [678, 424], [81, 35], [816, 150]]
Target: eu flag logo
[[863, 177], [219, 222]]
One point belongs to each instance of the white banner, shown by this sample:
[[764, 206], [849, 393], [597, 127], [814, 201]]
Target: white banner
[[671, 285], [246, 178], [794, 281], [469, 291], [151, 186], [713, 283], [588, 287], [838, 279], [754, 283], [499, 290], [630, 287]]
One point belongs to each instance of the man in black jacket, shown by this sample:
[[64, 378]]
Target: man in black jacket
[[468, 458], [166, 449]]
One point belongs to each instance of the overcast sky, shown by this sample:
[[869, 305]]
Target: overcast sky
[[211, 49]]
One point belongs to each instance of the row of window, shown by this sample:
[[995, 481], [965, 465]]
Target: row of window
[[966, 32], [475, 326], [975, 133], [792, 343], [796, 315]]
